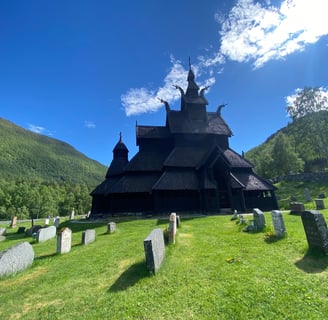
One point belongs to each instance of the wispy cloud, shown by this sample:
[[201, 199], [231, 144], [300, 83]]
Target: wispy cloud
[[257, 33], [253, 32], [142, 100], [89, 124], [39, 129]]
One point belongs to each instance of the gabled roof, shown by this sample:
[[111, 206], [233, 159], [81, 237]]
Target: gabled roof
[[235, 160], [185, 157], [146, 161], [178, 122], [249, 181], [105, 187], [152, 132], [116, 167], [138, 183], [177, 180]]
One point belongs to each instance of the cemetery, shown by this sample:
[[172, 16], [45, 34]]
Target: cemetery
[[204, 262]]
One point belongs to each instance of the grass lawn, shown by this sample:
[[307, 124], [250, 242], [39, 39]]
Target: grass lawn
[[214, 271]]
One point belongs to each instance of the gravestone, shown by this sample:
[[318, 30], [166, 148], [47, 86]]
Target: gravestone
[[111, 227], [33, 230], [172, 227], [88, 236], [307, 195], [13, 223], [296, 207], [16, 258], [71, 216], [46, 221], [322, 196], [278, 223], [45, 234], [3, 231], [21, 230], [154, 250], [2, 238], [259, 219], [315, 228], [56, 222], [178, 222], [320, 204], [64, 241]]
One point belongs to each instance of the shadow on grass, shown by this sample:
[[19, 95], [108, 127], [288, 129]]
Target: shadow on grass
[[314, 261], [46, 256], [130, 277]]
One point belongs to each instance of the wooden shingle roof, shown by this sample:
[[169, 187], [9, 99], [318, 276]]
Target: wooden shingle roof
[[146, 161], [185, 157], [249, 181], [235, 160], [177, 180]]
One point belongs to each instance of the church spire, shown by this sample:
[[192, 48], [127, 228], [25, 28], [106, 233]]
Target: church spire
[[192, 90]]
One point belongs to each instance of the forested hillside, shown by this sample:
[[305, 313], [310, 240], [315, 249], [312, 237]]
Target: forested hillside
[[301, 146], [41, 176], [25, 154]]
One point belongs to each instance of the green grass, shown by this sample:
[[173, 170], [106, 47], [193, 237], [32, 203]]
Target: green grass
[[214, 271]]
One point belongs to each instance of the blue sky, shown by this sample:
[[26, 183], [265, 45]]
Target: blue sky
[[84, 71]]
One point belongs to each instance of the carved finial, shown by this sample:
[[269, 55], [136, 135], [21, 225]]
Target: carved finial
[[189, 63], [120, 136], [167, 106], [218, 111], [179, 88], [203, 90]]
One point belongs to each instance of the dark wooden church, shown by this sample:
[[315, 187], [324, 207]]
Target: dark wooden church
[[184, 166]]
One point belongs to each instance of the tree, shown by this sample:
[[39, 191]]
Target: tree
[[306, 101], [285, 159]]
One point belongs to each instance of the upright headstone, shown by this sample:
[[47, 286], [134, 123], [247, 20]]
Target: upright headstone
[[64, 241], [45, 234], [88, 236], [13, 223], [154, 250], [21, 230], [46, 221], [315, 228], [178, 221], [33, 230], [56, 222], [172, 227], [71, 216], [259, 219], [16, 258], [320, 204], [3, 231], [111, 227], [296, 207], [278, 223], [307, 195]]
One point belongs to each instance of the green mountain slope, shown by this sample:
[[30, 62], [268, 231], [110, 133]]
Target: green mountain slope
[[27, 155], [301, 146]]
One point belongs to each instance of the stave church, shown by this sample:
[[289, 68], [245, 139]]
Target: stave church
[[184, 166]]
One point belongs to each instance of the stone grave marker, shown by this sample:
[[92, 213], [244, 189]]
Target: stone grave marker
[[320, 204], [33, 230], [278, 223], [45, 234], [296, 207], [64, 241], [111, 227], [315, 228], [3, 231], [307, 195], [259, 219], [178, 221], [13, 223], [56, 222], [322, 196], [46, 221], [16, 258], [71, 216], [2, 238], [88, 236], [21, 230], [154, 250], [172, 227]]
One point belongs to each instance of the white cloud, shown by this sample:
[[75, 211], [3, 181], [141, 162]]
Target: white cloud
[[89, 124], [143, 100], [259, 33], [37, 129]]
